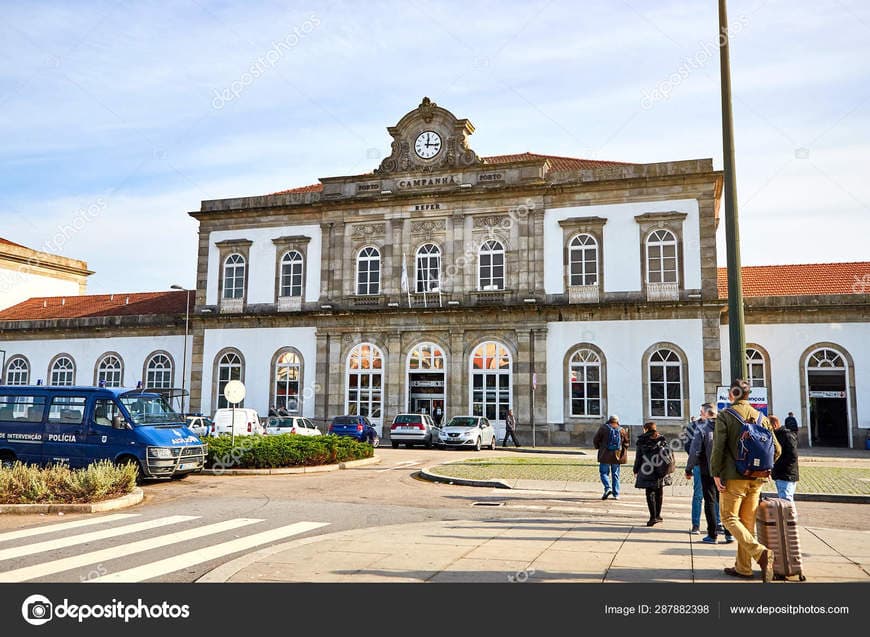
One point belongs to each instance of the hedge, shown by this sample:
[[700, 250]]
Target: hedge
[[58, 484], [283, 450]]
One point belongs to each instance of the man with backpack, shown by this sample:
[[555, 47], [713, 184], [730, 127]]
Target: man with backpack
[[700, 451], [744, 450], [611, 440]]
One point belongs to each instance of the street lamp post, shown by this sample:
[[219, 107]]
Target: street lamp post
[[184, 354], [736, 330]]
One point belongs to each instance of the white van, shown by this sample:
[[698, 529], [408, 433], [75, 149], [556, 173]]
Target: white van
[[247, 422]]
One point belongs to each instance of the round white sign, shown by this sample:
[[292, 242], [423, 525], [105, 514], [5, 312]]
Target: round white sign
[[234, 392]]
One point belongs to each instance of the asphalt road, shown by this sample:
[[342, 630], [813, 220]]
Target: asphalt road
[[183, 529]]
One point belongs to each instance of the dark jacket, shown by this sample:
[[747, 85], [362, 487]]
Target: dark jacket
[[649, 453], [688, 434], [725, 436], [510, 421], [701, 449], [786, 466], [791, 423], [605, 456]]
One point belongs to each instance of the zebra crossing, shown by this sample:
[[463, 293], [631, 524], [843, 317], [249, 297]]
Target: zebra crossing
[[81, 544]]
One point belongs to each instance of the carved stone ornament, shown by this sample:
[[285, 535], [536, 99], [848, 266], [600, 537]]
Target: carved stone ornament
[[367, 231], [490, 221], [429, 226], [428, 116]]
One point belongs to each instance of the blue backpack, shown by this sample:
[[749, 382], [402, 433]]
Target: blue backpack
[[614, 440], [755, 448]]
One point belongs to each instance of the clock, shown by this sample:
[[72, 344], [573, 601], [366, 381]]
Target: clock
[[428, 144]]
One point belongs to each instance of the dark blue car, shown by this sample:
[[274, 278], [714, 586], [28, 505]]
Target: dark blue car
[[358, 427]]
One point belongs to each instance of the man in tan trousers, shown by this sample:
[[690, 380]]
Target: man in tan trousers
[[738, 496]]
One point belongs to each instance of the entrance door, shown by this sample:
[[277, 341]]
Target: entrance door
[[421, 406], [427, 380], [827, 390], [491, 384]]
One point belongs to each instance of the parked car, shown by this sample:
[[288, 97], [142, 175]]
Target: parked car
[[291, 425], [202, 426], [358, 427], [414, 429], [469, 431], [246, 422]]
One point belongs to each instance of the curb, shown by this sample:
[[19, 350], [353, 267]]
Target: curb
[[131, 499], [426, 474], [279, 471], [838, 498]]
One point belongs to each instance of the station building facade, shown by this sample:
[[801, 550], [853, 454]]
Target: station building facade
[[564, 289]]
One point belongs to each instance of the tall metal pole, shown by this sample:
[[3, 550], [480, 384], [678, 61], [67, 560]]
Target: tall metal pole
[[184, 354], [736, 331]]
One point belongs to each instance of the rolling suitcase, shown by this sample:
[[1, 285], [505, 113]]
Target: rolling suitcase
[[776, 527]]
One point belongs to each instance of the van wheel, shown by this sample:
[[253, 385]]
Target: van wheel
[[132, 461], [7, 459], [376, 441]]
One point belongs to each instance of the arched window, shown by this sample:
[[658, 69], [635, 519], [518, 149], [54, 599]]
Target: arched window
[[17, 371], [825, 359], [62, 371], [234, 277], [287, 377], [755, 368], [427, 380], [110, 371], [491, 260], [584, 377], [428, 268], [583, 260], [368, 271], [665, 384], [158, 371], [661, 257], [491, 379], [291, 274], [365, 365], [230, 366]]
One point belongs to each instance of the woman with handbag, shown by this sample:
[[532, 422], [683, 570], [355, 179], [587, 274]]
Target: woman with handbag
[[653, 466]]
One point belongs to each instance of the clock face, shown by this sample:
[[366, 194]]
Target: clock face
[[428, 144]]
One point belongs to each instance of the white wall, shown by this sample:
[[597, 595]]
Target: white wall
[[86, 351], [622, 271], [17, 286], [623, 344], [258, 346], [262, 262], [786, 343]]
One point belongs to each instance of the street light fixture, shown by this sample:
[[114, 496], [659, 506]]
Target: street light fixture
[[184, 354]]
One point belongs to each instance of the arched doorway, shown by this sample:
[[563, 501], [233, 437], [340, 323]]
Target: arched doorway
[[427, 381], [827, 383], [365, 375], [491, 383]]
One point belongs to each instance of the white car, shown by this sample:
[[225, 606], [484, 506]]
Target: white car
[[471, 432], [291, 425], [202, 426], [246, 422]]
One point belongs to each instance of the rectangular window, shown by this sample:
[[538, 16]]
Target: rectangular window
[[22, 408], [104, 411], [67, 410]]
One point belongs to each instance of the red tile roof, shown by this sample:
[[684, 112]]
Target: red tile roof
[[556, 162], [799, 280], [65, 307], [11, 243]]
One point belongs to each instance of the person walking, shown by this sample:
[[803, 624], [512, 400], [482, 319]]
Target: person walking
[[611, 440], [791, 422], [510, 424], [700, 451], [652, 465], [738, 495], [694, 475], [785, 469]]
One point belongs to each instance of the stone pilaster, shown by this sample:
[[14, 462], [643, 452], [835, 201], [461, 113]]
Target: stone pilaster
[[196, 366], [394, 390]]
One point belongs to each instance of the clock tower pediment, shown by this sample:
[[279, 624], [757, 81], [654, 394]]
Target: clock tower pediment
[[429, 138]]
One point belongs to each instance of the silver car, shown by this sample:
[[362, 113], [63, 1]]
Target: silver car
[[472, 432], [291, 425]]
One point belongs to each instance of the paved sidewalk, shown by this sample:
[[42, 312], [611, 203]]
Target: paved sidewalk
[[595, 542]]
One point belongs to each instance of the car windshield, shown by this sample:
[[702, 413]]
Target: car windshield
[[408, 418], [345, 420], [149, 409], [462, 422], [281, 422]]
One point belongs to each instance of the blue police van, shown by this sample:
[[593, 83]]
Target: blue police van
[[79, 425]]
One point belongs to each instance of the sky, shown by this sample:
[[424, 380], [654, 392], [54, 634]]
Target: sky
[[118, 118]]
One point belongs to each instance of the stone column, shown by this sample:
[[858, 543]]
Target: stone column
[[202, 268], [326, 248], [394, 374], [324, 381], [522, 381], [539, 367], [337, 378], [196, 363], [457, 376], [711, 333]]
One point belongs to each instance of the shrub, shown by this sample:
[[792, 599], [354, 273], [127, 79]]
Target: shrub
[[283, 450], [27, 484]]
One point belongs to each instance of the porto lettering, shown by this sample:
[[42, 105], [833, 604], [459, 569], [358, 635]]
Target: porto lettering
[[490, 177], [367, 187]]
